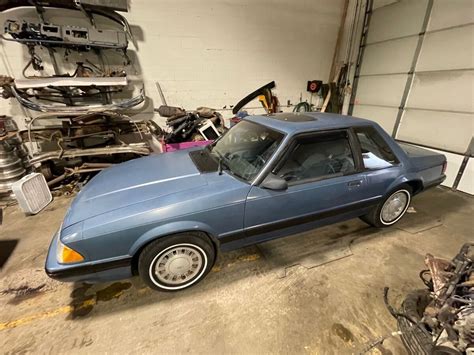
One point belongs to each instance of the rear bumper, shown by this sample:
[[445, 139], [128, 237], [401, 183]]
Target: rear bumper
[[435, 182], [107, 270]]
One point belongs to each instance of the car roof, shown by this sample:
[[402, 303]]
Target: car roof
[[290, 123]]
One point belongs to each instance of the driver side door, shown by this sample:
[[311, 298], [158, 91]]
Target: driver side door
[[326, 184]]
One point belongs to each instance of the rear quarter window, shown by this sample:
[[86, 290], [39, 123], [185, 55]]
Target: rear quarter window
[[376, 153]]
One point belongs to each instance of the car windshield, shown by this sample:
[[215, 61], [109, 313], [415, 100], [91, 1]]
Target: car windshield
[[245, 148]]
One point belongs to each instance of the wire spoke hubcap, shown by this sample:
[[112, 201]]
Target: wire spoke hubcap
[[394, 206], [178, 265]]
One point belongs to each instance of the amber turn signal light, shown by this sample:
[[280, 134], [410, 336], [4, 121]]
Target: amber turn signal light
[[67, 255]]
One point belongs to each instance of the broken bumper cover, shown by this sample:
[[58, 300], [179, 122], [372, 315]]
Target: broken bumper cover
[[122, 105], [135, 148], [102, 271]]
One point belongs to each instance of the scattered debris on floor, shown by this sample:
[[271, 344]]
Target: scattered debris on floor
[[440, 318], [22, 285], [21, 293]]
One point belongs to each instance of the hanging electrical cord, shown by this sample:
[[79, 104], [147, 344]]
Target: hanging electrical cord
[[302, 106], [396, 314]]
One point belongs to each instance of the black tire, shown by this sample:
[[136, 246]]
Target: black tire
[[191, 245], [416, 340], [374, 217]]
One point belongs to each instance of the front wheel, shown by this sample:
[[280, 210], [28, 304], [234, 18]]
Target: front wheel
[[176, 262], [391, 209]]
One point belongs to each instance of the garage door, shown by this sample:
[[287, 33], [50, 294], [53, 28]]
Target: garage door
[[416, 78]]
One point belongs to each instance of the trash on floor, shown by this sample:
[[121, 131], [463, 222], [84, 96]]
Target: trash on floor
[[440, 318]]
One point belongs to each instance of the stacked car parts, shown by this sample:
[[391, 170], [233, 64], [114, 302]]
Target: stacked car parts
[[202, 124], [11, 166], [76, 90], [11, 155]]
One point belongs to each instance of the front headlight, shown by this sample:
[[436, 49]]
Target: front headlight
[[66, 255]]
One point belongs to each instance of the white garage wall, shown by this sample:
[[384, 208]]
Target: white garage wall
[[423, 96], [213, 53]]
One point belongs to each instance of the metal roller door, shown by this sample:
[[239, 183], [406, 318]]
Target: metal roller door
[[416, 78]]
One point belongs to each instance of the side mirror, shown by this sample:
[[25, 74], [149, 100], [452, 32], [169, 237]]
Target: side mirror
[[273, 182]]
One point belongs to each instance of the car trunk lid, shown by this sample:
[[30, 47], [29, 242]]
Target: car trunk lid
[[423, 158]]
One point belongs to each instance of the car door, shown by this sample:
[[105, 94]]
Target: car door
[[326, 184]]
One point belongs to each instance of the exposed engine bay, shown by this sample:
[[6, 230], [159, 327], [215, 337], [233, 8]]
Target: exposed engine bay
[[440, 318]]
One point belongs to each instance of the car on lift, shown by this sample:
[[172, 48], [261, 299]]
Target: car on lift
[[164, 217]]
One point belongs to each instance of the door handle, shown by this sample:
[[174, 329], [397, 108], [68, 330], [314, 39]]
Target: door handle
[[354, 183]]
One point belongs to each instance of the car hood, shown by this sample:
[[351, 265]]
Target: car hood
[[133, 182]]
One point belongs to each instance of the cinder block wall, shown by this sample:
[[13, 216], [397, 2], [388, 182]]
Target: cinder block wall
[[213, 52]]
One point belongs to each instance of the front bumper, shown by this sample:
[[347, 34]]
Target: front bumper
[[101, 271]]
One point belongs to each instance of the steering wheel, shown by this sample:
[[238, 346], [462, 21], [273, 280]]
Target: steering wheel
[[259, 159], [331, 168], [290, 175], [232, 156]]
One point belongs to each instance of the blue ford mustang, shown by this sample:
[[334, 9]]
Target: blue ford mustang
[[164, 217]]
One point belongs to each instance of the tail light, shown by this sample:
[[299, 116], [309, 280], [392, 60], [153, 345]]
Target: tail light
[[445, 165]]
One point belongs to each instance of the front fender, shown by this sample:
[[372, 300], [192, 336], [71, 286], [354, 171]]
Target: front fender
[[171, 228]]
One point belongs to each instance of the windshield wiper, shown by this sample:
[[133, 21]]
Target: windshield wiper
[[221, 163]]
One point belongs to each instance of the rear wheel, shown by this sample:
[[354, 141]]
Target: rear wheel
[[391, 209], [176, 262]]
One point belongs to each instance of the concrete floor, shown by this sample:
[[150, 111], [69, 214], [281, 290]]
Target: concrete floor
[[244, 306]]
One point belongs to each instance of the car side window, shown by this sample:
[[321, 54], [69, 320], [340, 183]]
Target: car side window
[[317, 157], [376, 154]]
